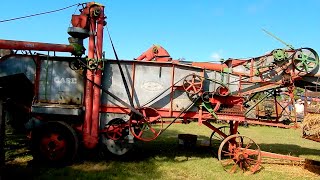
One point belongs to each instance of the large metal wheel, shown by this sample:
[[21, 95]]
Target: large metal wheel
[[192, 84], [116, 138], [54, 143], [306, 60], [239, 153], [146, 128]]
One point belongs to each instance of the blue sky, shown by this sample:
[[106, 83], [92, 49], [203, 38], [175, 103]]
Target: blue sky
[[203, 30]]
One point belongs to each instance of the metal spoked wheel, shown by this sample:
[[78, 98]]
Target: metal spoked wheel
[[54, 143], [222, 91], [192, 84], [146, 128], [216, 139], [239, 153], [306, 60], [117, 129], [116, 138]]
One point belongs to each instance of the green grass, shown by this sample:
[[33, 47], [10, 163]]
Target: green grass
[[165, 159]]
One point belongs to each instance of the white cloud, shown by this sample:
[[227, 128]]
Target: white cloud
[[216, 56]]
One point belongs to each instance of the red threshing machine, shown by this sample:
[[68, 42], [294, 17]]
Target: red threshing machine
[[69, 100]]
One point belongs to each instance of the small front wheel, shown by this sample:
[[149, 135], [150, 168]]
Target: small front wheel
[[239, 153]]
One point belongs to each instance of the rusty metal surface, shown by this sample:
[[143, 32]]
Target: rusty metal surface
[[313, 138], [25, 45], [57, 109], [60, 84]]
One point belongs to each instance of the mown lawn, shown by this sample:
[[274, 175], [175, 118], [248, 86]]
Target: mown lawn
[[165, 159]]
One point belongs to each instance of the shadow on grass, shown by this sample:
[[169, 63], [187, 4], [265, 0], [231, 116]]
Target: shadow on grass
[[289, 149], [138, 163], [142, 162]]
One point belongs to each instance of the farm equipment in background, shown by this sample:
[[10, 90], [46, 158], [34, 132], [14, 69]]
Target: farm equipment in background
[[311, 122], [78, 101]]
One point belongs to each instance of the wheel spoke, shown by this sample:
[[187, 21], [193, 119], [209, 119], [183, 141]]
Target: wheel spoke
[[300, 59], [140, 133], [152, 130], [194, 89], [227, 162], [144, 113], [226, 153], [250, 160], [218, 137], [190, 86], [113, 136], [248, 145], [241, 167], [119, 133], [310, 59], [234, 168], [239, 142]]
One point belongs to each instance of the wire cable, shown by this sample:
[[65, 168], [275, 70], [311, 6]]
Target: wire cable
[[38, 14]]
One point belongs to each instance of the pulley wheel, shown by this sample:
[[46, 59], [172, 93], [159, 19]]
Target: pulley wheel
[[116, 129], [305, 60], [146, 128], [116, 138], [192, 84], [222, 91], [279, 55]]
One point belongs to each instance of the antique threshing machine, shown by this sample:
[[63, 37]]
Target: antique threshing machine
[[81, 101]]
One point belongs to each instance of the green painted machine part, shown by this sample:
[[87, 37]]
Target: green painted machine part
[[306, 60], [279, 55], [208, 107]]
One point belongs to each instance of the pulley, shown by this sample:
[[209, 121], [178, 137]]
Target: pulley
[[279, 55], [305, 60], [222, 91], [193, 84]]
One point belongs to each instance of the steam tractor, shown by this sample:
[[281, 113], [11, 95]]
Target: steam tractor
[[85, 100]]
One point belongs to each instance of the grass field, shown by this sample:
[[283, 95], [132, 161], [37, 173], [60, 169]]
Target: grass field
[[165, 159]]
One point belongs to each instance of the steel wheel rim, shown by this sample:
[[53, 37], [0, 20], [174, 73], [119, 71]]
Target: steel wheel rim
[[234, 155], [139, 127], [192, 84]]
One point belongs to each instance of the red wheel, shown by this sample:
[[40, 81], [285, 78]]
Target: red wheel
[[193, 83], [54, 143], [239, 152], [148, 128], [116, 129], [222, 91], [116, 137], [53, 146]]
